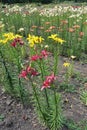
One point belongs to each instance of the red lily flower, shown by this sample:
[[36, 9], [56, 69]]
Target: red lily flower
[[23, 74], [45, 85], [13, 44], [44, 53], [29, 70], [33, 72], [49, 80], [17, 41], [35, 58]]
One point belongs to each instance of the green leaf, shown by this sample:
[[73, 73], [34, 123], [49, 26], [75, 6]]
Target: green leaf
[[2, 117]]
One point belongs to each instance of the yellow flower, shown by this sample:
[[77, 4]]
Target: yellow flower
[[34, 40], [9, 36], [4, 41], [17, 35], [1, 40], [40, 39], [31, 43], [53, 36], [66, 64], [6, 37], [57, 39]]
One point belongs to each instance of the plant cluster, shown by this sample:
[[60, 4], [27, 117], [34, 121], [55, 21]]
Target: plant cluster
[[68, 22], [12, 53]]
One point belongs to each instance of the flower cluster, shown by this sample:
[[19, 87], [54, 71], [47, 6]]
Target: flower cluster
[[6, 37], [28, 71], [56, 39], [34, 40], [42, 55], [49, 80], [17, 41], [44, 11]]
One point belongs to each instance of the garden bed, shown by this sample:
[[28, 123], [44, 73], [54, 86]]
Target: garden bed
[[15, 117]]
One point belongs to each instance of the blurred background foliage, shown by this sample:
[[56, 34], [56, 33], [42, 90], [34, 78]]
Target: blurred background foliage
[[38, 1]]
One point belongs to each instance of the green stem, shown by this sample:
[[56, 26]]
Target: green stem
[[37, 99], [55, 106], [21, 92], [42, 75], [19, 81], [56, 55], [7, 72]]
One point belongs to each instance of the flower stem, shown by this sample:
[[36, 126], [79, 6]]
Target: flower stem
[[42, 75], [21, 91], [56, 54], [7, 72], [37, 99], [55, 103]]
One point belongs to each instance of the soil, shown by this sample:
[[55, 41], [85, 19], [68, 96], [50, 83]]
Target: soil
[[14, 117]]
